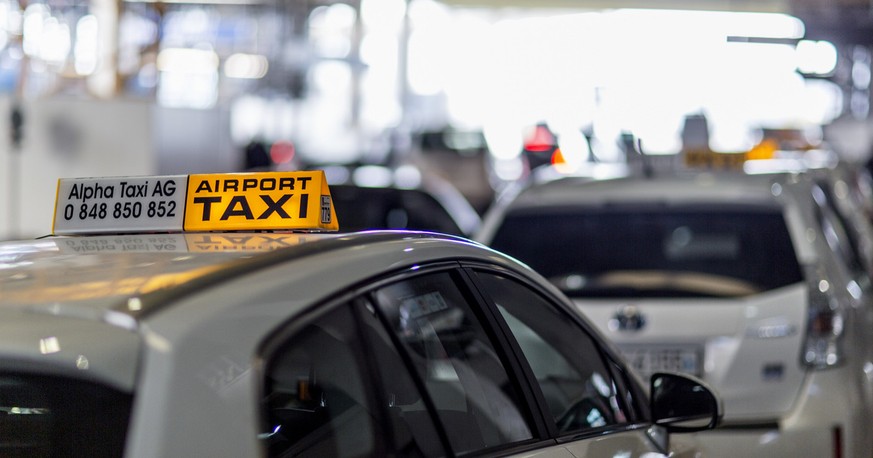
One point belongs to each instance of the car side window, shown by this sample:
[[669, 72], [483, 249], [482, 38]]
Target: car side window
[[411, 427], [477, 402], [314, 395], [569, 367], [834, 226], [46, 416]]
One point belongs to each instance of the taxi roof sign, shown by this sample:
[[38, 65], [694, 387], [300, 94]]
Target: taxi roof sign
[[264, 201], [714, 160], [259, 201]]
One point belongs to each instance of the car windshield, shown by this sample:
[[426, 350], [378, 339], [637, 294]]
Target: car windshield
[[654, 251]]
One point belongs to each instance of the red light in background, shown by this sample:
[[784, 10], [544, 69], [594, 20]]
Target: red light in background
[[541, 141], [282, 152]]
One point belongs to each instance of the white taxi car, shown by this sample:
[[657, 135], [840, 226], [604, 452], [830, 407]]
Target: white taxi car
[[739, 279], [128, 333]]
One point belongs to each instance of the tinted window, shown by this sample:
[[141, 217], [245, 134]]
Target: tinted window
[[389, 208], [315, 399], [47, 417], [837, 229], [476, 401], [652, 251], [569, 367], [411, 427]]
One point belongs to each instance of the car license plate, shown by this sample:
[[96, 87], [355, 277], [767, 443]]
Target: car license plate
[[648, 360]]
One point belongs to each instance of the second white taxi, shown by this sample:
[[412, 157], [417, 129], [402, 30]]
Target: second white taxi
[[736, 278]]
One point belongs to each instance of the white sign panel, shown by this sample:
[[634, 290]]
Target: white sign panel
[[121, 204]]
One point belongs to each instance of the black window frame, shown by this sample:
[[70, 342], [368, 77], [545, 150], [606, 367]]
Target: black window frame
[[630, 393]]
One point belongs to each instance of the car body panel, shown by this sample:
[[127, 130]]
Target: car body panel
[[98, 272], [32, 340], [180, 321], [810, 428], [633, 444], [749, 345], [215, 374]]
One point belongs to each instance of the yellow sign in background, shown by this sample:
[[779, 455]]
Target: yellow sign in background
[[259, 201]]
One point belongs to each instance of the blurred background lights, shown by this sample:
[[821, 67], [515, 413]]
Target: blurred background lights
[[402, 65], [816, 57], [372, 176], [407, 176], [188, 77], [246, 66], [330, 30], [85, 51], [282, 152], [49, 345], [32, 28], [56, 41], [385, 15], [5, 16], [767, 25], [13, 22], [573, 148], [187, 60], [637, 72]]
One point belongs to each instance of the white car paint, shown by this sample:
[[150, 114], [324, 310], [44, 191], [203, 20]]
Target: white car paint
[[178, 320], [753, 345]]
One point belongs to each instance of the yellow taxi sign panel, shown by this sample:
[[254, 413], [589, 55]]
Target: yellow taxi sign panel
[[714, 160], [259, 201]]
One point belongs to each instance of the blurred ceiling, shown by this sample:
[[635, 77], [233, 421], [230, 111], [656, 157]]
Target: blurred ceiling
[[714, 5], [843, 22]]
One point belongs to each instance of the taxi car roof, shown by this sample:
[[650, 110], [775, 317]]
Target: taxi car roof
[[63, 310], [707, 187], [96, 277]]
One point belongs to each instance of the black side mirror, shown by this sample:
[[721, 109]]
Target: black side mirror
[[683, 403]]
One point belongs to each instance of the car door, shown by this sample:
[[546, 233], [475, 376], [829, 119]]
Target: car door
[[407, 367], [592, 405]]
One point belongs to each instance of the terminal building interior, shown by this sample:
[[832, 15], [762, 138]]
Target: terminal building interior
[[350, 228], [388, 92]]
